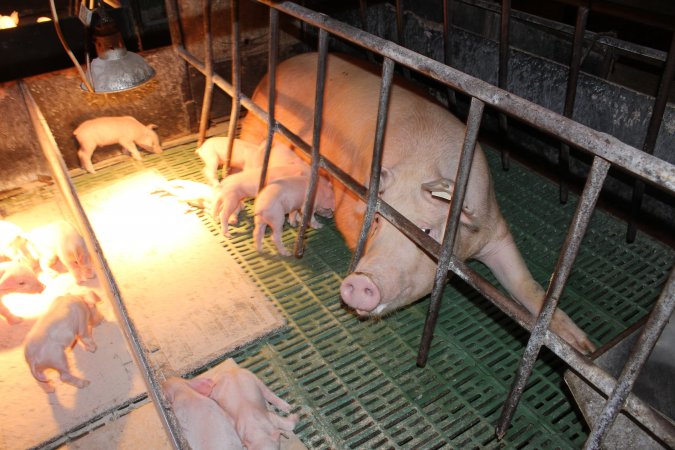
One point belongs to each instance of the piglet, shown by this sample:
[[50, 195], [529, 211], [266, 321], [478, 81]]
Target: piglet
[[205, 424], [10, 21], [60, 243], [244, 397], [286, 196], [70, 318], [239, 186], [15, 245], [16, 277], [245, 155], [125, 130]]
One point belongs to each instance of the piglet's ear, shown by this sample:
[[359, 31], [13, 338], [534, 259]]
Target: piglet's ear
[[202, 385], [152, 126]]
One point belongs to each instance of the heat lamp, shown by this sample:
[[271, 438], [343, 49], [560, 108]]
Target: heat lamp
[[115, 69]]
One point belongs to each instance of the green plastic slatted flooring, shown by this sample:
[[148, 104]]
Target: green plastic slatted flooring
[[355, 383]]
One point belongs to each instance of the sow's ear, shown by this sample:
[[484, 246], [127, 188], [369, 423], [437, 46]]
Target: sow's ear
[[443, 188], [386, 180]]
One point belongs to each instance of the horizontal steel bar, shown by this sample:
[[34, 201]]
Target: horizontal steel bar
[[628, 158]]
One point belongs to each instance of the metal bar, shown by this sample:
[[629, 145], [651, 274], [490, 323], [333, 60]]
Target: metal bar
[[447, 51], [103, 273], [568, 254], [307, 209], [634, 161], [173, 19], [570, 96], [400, 32], [451, 226], [208, 65], [658, 318], [652, 133], [236, 83], [376, 163], [273, 52], [503, 74]]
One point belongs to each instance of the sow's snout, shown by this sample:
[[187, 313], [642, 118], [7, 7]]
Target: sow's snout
[[360, 292]]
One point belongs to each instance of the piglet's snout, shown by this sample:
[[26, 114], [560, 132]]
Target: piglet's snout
[[360, 292]]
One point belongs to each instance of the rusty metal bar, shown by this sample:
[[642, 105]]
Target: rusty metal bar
[[447, 51], [652, 133], [400, 32], [451, 226], [307, 209], [208, 64], [503, 74], [561, 273], [570, 96], [634, 161], [103, 273], [658, 318], [236, 83], [376, 163], [273, 54]]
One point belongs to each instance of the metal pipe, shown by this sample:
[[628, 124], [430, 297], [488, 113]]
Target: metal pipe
[[568, 254], [70, 54], [652, 133], [173, 19], [634, 161], [273, 52], [208, 65], [236, 83], [103, 273], [658, 318], [447, 51], [376, 163], [570, 97], [451, 226], [307, 209], [503, 74], [400, 32]]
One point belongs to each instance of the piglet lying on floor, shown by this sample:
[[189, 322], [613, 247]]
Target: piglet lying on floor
[[244, 397], [125, 130], [16, 277], [204, 423], [69, 318], [287, 196]]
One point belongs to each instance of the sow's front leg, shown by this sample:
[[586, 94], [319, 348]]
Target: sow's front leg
[[505, 261]]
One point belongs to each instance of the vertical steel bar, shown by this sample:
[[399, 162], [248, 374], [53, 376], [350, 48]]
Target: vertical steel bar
[[451, 226], [208, 83], [273, 54], [173, 19], [376, 162], [236, 83], [570, 96], [400, 32], [652, 134], [658, 318], [503, 75], [105, 276], [447, 51], [316, 142], [561, 273]]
